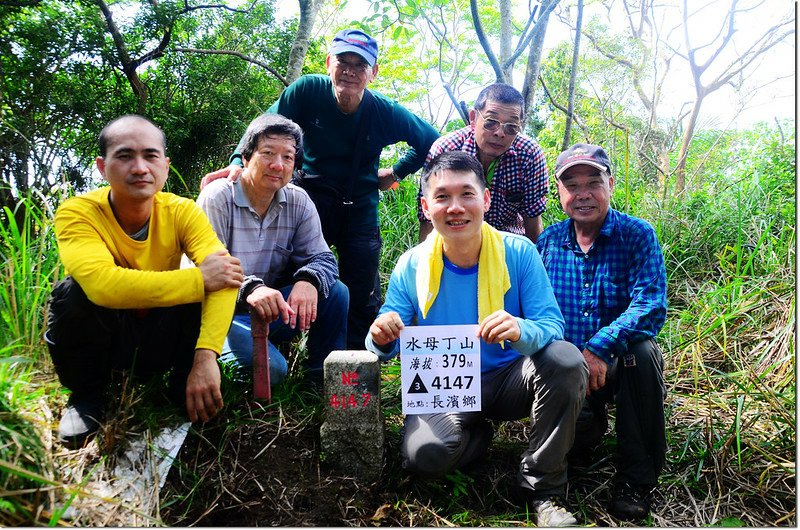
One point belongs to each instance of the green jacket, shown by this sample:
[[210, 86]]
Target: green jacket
[[330, 137]]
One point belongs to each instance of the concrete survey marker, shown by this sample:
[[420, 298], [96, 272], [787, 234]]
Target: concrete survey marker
[[352, 434]]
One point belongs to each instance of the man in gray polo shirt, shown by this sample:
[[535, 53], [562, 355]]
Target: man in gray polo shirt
[[272, 226]]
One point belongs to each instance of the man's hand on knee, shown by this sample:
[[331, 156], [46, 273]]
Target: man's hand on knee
[[221, 270], [269, 304], [499, 326], [203, 395], [597, 371], [303, 300]]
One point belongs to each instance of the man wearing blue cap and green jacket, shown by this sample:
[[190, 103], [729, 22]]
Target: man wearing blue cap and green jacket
[[345, 129]]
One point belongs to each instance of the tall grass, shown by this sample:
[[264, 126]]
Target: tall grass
[[730, 338], [729, 346], [397, 211], [28, 266]]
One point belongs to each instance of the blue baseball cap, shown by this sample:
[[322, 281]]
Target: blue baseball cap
[[356, 41]]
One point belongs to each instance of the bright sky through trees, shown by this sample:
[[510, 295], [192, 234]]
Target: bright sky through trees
[[767, 93]]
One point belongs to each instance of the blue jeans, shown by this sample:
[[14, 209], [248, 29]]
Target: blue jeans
[[327, 333]]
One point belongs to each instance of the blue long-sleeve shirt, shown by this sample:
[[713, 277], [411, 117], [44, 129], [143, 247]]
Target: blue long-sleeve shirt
[[615, 294], [530, 299]]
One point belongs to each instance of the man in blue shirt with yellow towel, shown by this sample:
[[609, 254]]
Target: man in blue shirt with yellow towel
[[467, 272], [608, 274]]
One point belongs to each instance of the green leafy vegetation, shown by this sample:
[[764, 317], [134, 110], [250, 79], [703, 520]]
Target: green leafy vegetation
[[729, 350], [729, 241]]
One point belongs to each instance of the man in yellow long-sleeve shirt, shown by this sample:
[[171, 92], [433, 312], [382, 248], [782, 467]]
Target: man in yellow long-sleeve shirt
[[126, 304]]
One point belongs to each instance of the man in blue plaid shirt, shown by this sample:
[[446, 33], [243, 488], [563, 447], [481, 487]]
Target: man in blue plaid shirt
[[607, 271]]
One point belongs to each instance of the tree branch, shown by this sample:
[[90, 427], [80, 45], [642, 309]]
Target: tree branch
[[524, 39], [240, 55], [725, 40], [157, 52], [752, 53], [562, 108], [476, 22], [128, 65], [188, 9]]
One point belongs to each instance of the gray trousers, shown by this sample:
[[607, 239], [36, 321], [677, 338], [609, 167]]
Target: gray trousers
[[548, 387]]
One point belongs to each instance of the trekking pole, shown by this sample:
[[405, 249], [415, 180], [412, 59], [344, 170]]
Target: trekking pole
[[259, 329]]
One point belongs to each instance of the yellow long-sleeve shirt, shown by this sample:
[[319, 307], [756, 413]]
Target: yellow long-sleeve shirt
[[118, 272]]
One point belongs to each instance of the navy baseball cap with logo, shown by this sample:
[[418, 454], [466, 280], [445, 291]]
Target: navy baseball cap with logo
[[356, 41], [587, 154]]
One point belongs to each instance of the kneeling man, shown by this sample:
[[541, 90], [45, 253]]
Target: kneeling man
[[608, 273], [273, 227], [472, 273], [126, 304]]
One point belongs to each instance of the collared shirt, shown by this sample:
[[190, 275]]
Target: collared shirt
[[330, 140], [519, 184], [285, 246], [615, 294]]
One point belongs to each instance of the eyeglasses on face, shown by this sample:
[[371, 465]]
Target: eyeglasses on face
[[490, 124], [358, 67]]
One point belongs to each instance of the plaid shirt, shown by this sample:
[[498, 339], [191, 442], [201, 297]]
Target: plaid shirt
[[519, 184], [614, 295]]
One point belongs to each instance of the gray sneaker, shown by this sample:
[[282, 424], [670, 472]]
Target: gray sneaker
[[80, 421], [553, 512]]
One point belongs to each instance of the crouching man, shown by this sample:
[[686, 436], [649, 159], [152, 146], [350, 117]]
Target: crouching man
[[126, 305], [471, 273], [273, 227], [607, 270]]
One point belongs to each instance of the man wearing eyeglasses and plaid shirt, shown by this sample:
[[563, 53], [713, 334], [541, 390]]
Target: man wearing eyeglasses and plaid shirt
[[513, 163]]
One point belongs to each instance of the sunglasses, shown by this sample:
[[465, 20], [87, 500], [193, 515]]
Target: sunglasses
[[511, 129]]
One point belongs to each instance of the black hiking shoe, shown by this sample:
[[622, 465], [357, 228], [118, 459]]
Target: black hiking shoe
[[630, 502], [81, 420]]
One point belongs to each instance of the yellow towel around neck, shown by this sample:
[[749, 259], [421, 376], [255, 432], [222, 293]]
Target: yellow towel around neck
[[493, 279]]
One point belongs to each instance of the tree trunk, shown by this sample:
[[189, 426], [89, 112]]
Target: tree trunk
[[297, 55], [505, 39], [534, 59], [576, 51], [128, 64], [688, 133]]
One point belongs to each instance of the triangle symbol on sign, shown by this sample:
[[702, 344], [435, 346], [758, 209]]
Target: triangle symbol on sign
[[417, 386]]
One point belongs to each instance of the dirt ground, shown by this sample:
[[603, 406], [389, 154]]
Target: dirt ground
[[256, 466], [253, 466], [269, 474]]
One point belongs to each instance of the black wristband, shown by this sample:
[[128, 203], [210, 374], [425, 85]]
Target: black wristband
[[307, 277], [249, 284]]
